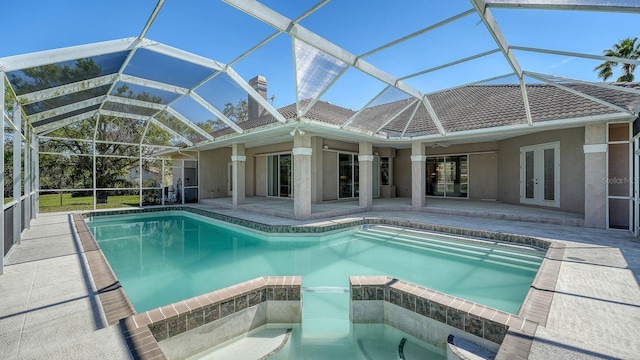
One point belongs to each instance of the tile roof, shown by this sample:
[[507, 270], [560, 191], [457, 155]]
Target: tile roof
[[466, 108]]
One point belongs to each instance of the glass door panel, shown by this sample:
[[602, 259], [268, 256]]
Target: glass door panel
[[285, 176], [549, 174], [529, 176], [345, 175], [279, 175]]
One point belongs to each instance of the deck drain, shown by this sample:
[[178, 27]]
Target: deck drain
[[575, 258]]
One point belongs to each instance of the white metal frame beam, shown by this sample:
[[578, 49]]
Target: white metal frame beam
[[135, 102], [543, 78], [215, 112], [171, 131], [449, 64], [66, 89], [575, 54], [563, 5], [493, 28], [397, 115], [498, 77], [187, 122], [313, 9], [153, 84], [25, 61], [282, 23], [596, 84], [66, 109], [181, 54], [406, 126], [419, 32], [47, 128]]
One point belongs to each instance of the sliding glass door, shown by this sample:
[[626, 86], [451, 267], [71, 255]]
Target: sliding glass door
[[348, 176], [448, 176], [280, 175]]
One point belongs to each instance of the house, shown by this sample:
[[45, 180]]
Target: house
[[575, 155]]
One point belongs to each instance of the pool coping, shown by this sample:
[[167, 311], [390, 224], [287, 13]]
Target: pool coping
[[516, 342]]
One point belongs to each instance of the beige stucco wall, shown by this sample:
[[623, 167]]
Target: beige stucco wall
[[571, 166], [595, 207], [483, 176], [329, 175], [213, 173], [402, 172]]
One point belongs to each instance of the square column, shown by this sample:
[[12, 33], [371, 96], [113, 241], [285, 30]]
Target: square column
[[301, 174], [418, 175], [238, 160], [365, 159], [595, 170], [17, 178]]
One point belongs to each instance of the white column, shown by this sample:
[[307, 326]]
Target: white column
[[17, 181], [418, 175], [301, 174], [238, 160], [595, 176], [316, 169], [365, 159], [2, 167], [27, 176], [36, 160]]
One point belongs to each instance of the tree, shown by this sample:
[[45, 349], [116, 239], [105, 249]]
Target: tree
[[69, 170], [627, 49], [236, 113]]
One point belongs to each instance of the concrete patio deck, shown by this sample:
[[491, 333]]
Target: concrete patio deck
[[50, 309], [448, 206]]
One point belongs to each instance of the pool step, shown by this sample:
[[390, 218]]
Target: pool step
[[527, 260], [325, 313]]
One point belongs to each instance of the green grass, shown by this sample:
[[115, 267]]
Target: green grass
[[52, 202]]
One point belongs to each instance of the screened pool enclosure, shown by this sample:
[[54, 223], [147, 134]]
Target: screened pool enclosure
[[122, 122]]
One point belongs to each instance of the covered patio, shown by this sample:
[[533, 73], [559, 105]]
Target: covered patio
[[457, 207]]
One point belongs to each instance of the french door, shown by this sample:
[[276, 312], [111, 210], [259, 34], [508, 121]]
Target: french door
[[540, 174]]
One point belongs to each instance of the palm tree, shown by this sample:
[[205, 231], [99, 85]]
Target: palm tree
[[627, 49]]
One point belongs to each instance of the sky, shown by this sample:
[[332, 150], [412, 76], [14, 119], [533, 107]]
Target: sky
[[218, 31]]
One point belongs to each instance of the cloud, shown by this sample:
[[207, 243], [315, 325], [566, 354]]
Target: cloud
[[561, 63]]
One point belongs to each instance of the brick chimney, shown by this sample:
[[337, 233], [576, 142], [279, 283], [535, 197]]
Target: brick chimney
[[255, 110]]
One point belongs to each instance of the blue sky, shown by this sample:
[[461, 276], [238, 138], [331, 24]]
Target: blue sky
[[216, 30]]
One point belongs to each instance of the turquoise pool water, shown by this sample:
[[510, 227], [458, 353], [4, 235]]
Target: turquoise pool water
[[160, 259]]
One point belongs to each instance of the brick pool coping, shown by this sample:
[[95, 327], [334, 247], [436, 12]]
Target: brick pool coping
[[516, 342]]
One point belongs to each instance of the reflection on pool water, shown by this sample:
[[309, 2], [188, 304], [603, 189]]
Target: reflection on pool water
[[161, 259]]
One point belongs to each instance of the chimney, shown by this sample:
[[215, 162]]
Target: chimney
[[255, 110]]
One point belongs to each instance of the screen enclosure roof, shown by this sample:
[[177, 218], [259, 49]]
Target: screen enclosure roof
[[206, 75]]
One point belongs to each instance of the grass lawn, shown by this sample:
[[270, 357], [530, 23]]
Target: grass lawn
[[64, 202]]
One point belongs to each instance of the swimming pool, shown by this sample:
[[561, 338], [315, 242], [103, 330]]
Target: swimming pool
[[160, 259]]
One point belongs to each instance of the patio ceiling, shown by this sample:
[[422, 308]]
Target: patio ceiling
[[377, 77]]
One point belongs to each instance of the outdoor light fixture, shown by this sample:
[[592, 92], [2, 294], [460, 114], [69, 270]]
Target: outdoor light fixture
[[325, 146]]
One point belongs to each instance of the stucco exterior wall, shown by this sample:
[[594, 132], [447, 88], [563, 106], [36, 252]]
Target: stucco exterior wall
[[329, 175], [571, 166], [402, 172], [483, 176], [213, 173]]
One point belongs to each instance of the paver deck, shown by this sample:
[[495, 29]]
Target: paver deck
[[49, 307]]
